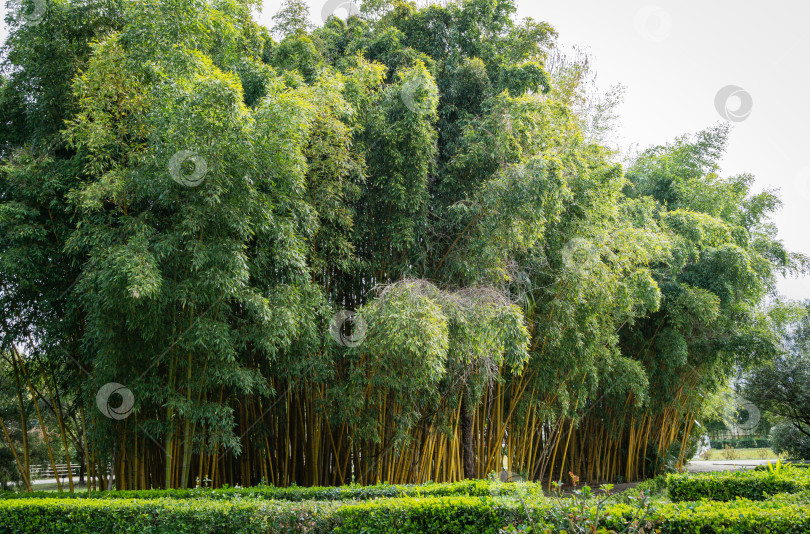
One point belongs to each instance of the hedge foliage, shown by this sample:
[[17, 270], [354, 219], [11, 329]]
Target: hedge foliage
[[439, 515], [706, 517], [786, 514], [742, 443], [159, 516], [474, 488], [730, 485]]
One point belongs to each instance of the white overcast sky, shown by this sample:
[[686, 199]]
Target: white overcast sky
[[674, 56]]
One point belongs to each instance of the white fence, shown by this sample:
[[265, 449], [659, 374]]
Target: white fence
[[46, 471]]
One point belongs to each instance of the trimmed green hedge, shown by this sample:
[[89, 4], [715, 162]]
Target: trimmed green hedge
[[707, 517], [742, 443], [439, 515], [428, 515], [474, 488], [728, 486], [415, 515], [162, 516]]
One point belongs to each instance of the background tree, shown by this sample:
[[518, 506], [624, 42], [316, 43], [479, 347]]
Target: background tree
[[782, 385], [292, 18], [185, 203]]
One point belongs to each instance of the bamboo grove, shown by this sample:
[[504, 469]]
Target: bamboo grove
[[187, 200]]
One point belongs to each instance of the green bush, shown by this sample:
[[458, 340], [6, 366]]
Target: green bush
[[61, 516], [650, 487], [742, 443], [416, 515], [479, 488], [728, 486], [784, 514], [788, 440], [739, 517], [439, 515]]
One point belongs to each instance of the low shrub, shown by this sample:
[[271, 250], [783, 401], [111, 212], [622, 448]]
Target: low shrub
[[441, 515], [650, 488], [414, 515], [742, 443], [738, 517], [474, 488], [162, 516], [730, 453], [785, 514], [728, 486]]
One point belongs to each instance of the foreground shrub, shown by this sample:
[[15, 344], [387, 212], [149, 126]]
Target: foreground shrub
[[158, 516], [784, 514], [706, 517], [62, 516], [440, 516], [728, 486], [649, 488]]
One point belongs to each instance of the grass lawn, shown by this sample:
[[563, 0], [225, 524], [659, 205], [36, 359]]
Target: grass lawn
[[740, 454]]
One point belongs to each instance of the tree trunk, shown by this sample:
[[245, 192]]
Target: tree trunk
[[468, 452]]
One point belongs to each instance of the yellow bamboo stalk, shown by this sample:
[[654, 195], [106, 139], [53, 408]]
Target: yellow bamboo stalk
[[14, 453], [39, 415]]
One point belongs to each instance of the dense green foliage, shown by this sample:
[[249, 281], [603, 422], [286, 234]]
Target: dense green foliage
[[185, 202], [785, 516], [782, 384], [742, 443], [440, 515], [790, 441], [476, 488], [450, 515], [728, 486], [162, 516]]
